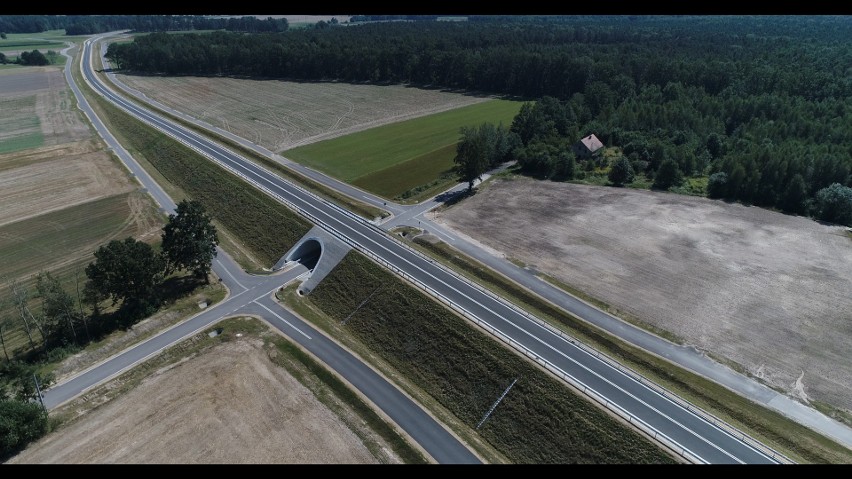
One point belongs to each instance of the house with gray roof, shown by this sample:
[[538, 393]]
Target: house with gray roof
[[587, 146]]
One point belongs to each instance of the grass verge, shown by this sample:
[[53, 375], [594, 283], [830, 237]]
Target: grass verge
[[540, 420], [261, 225]]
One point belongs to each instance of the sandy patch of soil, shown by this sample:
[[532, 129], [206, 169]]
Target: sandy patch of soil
[[280, 115], [230, 404], [766, 290]]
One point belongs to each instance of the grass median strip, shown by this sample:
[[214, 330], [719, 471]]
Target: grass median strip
[[540, 420], [261, 224]]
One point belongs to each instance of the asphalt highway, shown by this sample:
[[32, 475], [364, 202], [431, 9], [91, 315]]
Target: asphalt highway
[[660, 415], [253, 295]]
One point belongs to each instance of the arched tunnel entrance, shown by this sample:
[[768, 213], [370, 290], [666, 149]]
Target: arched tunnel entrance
[[308, 253]]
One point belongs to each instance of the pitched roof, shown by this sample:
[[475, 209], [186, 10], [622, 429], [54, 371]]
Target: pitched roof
[[592, 143]]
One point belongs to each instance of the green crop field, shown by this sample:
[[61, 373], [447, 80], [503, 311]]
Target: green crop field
[[29, 45], [392, 159]]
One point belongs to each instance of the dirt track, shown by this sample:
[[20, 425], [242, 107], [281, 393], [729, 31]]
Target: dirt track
[[769, 291]]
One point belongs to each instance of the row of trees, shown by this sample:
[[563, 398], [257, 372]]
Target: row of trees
[[128, 272], [90, 24], [529, 59], [34, 57]]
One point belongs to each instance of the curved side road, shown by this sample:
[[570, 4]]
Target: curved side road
[[666, 419], [254, 297]]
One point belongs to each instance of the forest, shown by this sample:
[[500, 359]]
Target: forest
[[759, 107], [91, 24]]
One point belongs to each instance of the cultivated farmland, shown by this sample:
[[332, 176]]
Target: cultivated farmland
[[280, 115], [393, 159], [61, 194], [37, 110], [765, 290]]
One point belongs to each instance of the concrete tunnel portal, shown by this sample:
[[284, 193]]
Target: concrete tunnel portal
[[319, 252], [308, 253]]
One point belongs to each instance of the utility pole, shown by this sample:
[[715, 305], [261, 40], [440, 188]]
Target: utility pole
[[38, 391]]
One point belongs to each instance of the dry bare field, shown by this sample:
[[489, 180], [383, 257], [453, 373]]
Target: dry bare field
[[50, 178], [37, 100], [227, 405], [768, 291], [280, 115]]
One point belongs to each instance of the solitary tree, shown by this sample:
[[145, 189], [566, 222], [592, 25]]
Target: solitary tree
[[127, 270], [190, 239], [20, 297], [471, 156], [621, 172]]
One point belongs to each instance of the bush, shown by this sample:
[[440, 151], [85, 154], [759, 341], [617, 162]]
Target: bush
[[717, 185], [21, 423], [834, 204], [621, 172], [668, 175]]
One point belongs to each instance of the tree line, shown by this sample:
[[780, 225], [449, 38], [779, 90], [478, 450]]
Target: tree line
[[127, 272], [91, 24], [34, 57], [759, 107]]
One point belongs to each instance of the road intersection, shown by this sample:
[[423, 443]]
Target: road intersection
[[688, 432]]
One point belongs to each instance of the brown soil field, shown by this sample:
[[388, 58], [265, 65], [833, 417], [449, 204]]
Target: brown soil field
[[768, 291], [280, 115], [228, 405], [46, 179]]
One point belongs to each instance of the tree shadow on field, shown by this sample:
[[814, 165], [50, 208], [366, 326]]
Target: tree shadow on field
[[449, 198], [176, 287]]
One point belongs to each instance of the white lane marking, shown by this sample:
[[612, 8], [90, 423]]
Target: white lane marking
[[238, 163], [282, 319], [270, 291], [232, 276]]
